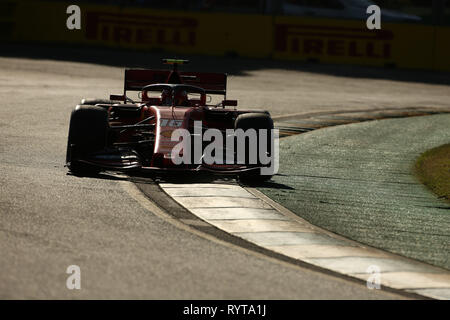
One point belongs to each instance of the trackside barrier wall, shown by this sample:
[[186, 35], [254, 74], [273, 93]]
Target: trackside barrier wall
[[346, 41], [137, 28], [260, 36], [442, 49]]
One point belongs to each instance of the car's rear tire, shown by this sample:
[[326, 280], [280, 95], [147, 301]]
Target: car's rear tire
[[88, 133], [255, 121]]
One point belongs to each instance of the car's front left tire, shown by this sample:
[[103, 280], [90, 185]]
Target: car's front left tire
[[255, 121]]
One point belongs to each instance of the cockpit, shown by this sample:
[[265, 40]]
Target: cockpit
[[177, 95]]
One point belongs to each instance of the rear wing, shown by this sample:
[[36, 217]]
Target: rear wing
[[212, 83]]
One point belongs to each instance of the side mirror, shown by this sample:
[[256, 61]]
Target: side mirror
[[229, 103]]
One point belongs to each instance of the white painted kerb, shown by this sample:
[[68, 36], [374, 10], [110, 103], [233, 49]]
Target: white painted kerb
[[259, 220]]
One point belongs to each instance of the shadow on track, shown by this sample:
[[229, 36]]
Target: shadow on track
[[232, 65], [178, 178]]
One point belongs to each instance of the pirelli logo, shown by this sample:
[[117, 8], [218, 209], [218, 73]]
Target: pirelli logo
[[141, 29], [307, 40]]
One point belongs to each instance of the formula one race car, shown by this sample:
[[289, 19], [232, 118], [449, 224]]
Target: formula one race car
[[173, 127]]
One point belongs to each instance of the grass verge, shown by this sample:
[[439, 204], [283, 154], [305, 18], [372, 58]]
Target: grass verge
[[433, 170]]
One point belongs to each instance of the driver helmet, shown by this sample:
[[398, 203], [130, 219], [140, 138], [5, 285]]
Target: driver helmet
[[166, 99], [181, 98]]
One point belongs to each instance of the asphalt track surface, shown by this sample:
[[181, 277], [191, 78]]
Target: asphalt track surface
[[50, 220]]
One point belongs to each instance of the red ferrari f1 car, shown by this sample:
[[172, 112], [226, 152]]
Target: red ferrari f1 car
[[124, 134]]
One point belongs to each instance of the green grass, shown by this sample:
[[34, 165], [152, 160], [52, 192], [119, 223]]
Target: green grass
[[433, 170]]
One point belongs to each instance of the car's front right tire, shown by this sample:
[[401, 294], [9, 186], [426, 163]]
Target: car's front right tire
[[88, 133]]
